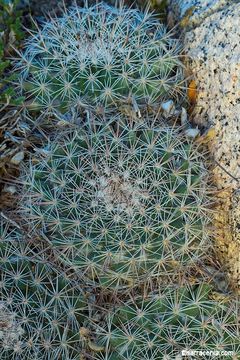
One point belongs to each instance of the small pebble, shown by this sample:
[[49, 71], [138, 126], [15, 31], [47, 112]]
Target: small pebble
[[192, 133], [10, 189], [184, 117], [168, 108], [16, 159]]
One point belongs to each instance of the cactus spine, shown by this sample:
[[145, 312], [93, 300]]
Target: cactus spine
[[161, 327], [121, 206], [100, 56], [41, 310]]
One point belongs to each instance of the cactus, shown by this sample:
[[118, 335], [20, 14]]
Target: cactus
[[100, 56], [112, 210], [161, 327], [121, 206], [41, 310]]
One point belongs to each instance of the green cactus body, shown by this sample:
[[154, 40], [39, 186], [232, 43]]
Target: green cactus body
[[41, 311], [162, 327], [121, 206], [100, 56]]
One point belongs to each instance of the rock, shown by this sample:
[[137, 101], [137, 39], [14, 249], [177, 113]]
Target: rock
[[192, 12], [10, 189], [192, 132], [168, 108], [184, 118], [16, 159], [211, 40], [214, 52], [235, 220]]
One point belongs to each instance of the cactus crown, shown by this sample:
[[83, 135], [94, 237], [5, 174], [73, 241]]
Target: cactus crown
[[161, 327], [121, 206], [100, 55]]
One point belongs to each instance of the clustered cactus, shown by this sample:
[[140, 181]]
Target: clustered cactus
[[41, 310], [114, 214], [122, 206], [100, 56], [160, 327]]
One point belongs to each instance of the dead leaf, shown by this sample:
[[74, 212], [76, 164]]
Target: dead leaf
[[95, 347], [192, 92], [207, 136]]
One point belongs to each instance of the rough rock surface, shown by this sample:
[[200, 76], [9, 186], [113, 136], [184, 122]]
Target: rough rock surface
[[196, 10], [235, 225], [214, 50], [211, 38]]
